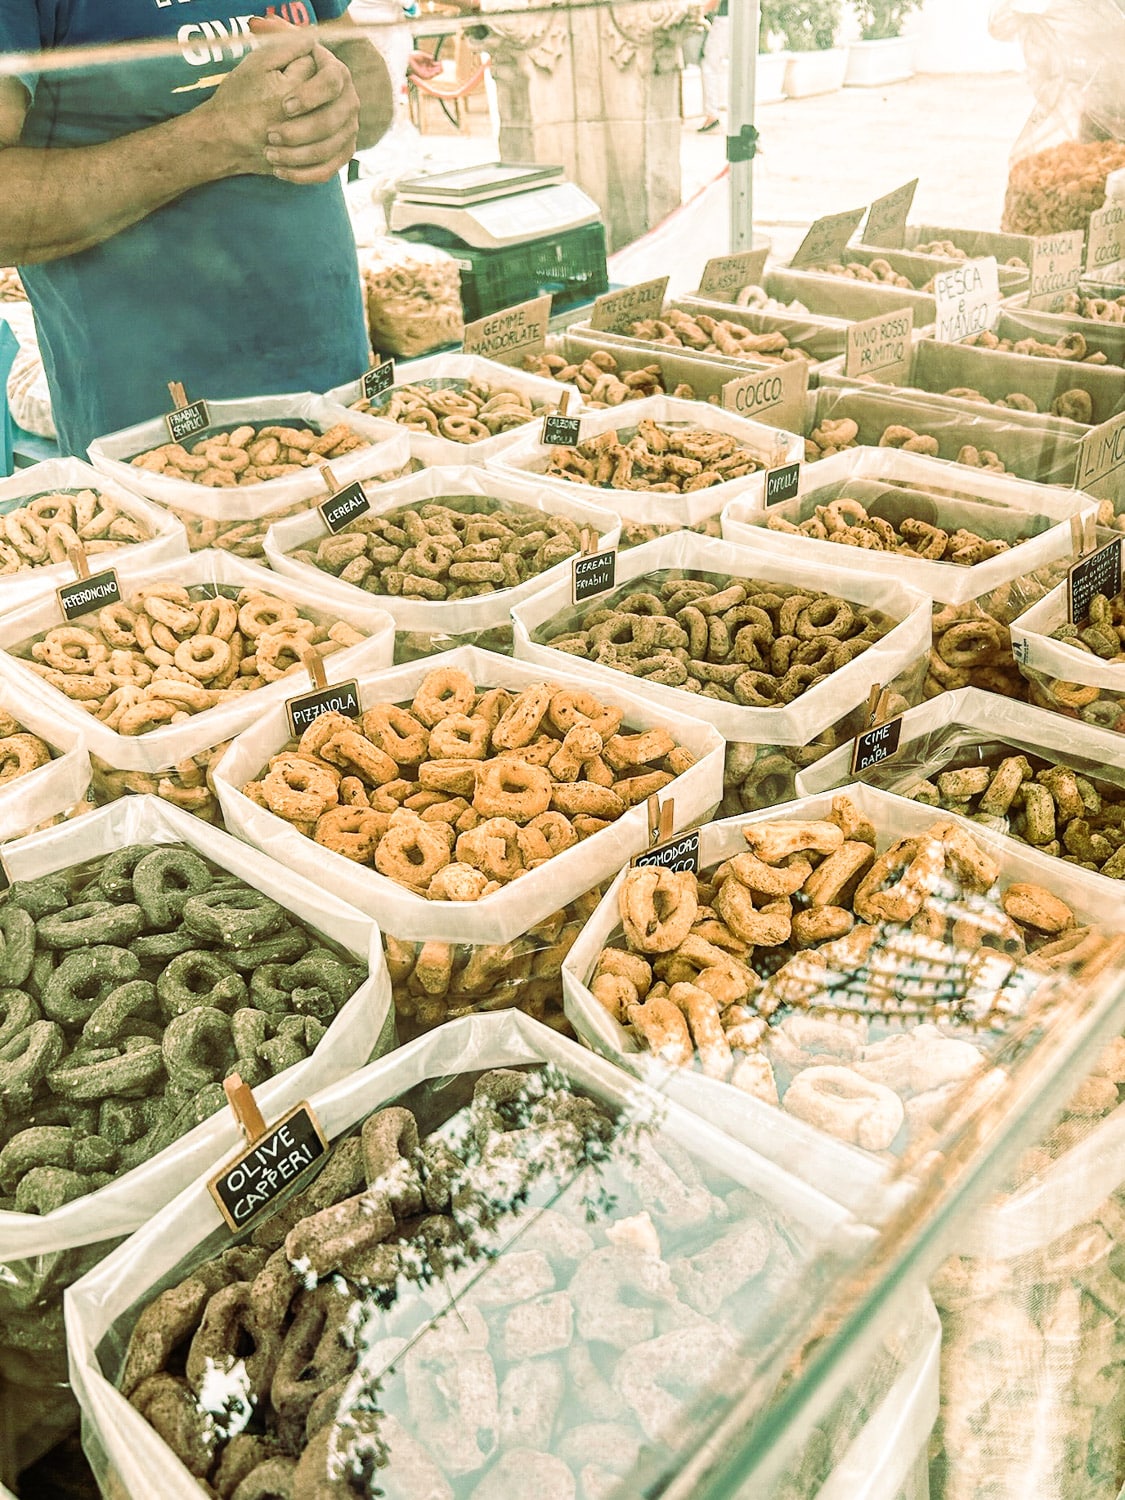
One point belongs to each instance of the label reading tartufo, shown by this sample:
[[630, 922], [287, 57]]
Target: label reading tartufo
[[378, 380], [724, 276], [1098, 574], [783, 484], [1105, 243], [1056, 267], [561, 432], [614, 310], [886, 218], [968, 299], [876, 745], [187, 421], [345, 505], [337, 698], [826, 239], [593, 575], [507, 336], [880, 346], [85, 594], [678, 855], [272, 1164]]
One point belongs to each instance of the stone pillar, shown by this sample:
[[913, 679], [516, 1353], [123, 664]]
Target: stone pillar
[[596, 88]]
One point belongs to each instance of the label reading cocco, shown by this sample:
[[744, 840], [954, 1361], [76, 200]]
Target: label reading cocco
[[782, 484], [378, 380], [678, 855], [338, 698], [594, 574], [876, 745], [345, 505], [561, 432], [84, 594], [187, 421], [1099, 574], [255, 1179]]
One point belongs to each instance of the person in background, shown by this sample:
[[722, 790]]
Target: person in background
[[714, 66], [180, 217]]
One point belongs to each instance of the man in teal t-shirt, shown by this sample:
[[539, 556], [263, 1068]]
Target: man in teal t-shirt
[[180, 217]]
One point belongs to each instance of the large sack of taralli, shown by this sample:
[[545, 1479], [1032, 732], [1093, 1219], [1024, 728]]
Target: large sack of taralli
[[191, 655], [413, 294], [982, 546], [1075, 136], [145, 957], [474, 805], [782, 670], [497, 1346], [49, 508], [261, 458]]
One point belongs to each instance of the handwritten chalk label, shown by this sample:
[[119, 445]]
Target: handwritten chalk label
[[378, 380], [614, 311], [1105, 242], [826, 239], [886, 218], [337, 698], [880, 346], [593, 575], [876, 745], [678, 855], [508, 335], [560, 431], [724, 276], [1101, 454], [776, 395], [1097, 574], [187, 421], [344, 506], [1056, 267], [782, 484], [84, 594], [260, 1174], [968, 299]]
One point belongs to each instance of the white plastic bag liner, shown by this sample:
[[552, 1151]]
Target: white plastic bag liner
[[843, 1172], [1000, 507], [1051, 665], [772, 447], [445, 370], [168, 538], [938, 730], [440, 618], [794, 723], [512, 910], [209, 512], [52, 790], [359, 1028], [171, 743], [118, 1437]]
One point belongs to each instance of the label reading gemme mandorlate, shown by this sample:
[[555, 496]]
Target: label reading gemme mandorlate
[[273, 1163], [84, 594], [337, 698]]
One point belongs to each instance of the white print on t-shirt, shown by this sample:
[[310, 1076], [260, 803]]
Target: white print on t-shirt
[[222, 39]]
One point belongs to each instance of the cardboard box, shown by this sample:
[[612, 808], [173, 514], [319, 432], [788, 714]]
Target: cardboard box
[[974, 242]]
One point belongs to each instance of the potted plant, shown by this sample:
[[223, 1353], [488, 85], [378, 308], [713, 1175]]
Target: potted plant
[[809, 27], [883, 55]]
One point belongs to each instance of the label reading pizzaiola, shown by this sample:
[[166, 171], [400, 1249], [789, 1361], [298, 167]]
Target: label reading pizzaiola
[[338, 698]]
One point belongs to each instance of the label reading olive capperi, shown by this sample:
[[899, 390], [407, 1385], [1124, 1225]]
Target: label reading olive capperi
[[187, 421], [344, 506], [84, 594], [678, 855], [594, 574], [273, 1163], [1098, 574], [378, 380], [337, 698], [876, 745]]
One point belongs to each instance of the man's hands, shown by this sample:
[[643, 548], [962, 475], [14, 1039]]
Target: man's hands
[[289, 110]]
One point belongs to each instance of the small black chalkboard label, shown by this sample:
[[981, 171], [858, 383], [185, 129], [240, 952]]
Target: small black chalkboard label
[[84, 594], [378, 380], [594, 574], [338, 698], [876, 745], [273, 1163], [678, 854], [344, 506], [187, 421], [782, 484], [1100, 573], [561, 432]]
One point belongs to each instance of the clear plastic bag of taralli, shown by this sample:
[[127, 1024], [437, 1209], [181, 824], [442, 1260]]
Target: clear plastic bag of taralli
[[1075, 136], [595, 1275]]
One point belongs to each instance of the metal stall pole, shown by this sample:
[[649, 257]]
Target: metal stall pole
[[742, 138]]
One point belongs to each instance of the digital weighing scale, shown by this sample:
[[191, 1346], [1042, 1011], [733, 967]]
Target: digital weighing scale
[[492, 206]]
